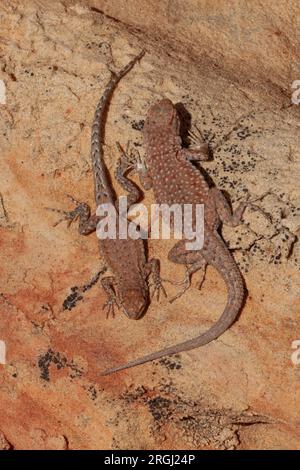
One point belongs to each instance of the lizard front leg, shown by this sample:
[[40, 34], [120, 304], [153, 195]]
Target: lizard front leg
[[193, 154], [136, 162], [198, 150]]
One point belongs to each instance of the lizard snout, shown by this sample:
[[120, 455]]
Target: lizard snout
[[133, 304]]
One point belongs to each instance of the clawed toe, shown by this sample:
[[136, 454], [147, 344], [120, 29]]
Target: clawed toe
[[259, 209], [130, 158], [186, 285], [251, 204], [180, 293], [158, 288], [69, 216], [195, 136], [109, 306], [75, 201]]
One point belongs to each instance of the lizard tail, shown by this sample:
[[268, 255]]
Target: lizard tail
[[103, 190], [226, 266]]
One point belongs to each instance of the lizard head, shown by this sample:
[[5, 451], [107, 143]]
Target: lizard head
[[133, 303], [162, 116]]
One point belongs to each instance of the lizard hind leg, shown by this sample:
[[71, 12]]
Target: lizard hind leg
[[153, 267], [111, 301], [87, 223], [190, 270], [198, 149], [193, 261]]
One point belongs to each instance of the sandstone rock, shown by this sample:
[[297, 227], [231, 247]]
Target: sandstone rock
[[231, 65]]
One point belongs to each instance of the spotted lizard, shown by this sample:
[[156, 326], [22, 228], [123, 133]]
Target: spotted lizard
[[175, 180]]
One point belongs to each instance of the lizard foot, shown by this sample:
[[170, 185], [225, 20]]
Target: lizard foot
[[200, 283], [186, 285], [81, 209], [251, 204], [158, 288], [195, 136], [190, 270], [110, 305], [130, 159], [197, 144]]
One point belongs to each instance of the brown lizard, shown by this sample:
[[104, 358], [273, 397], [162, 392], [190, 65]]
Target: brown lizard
[[175, 180], [128, 287]]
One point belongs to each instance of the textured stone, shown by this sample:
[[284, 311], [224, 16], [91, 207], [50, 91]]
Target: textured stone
[[231, 64]]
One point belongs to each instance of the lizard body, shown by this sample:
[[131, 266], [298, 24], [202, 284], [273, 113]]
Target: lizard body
[[128, 287], [175, 180]]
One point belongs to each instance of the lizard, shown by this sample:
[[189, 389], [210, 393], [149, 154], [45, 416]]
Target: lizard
[[169, 170], [128, 287]]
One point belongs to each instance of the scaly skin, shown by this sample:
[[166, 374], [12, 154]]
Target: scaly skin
[[128, 287], [176, 181]]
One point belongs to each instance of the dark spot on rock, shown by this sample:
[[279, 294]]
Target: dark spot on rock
[[132, 396], [138, 125], [76, 292], [171, 363], [92, 392], [72, 299], [44, 363], [60, 361], [159, 407]]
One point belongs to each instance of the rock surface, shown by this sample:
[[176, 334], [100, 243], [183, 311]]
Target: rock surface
[[231, 64]]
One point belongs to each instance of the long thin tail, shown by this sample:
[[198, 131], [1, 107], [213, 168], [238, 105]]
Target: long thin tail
[[102, 184], [226, 266]]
